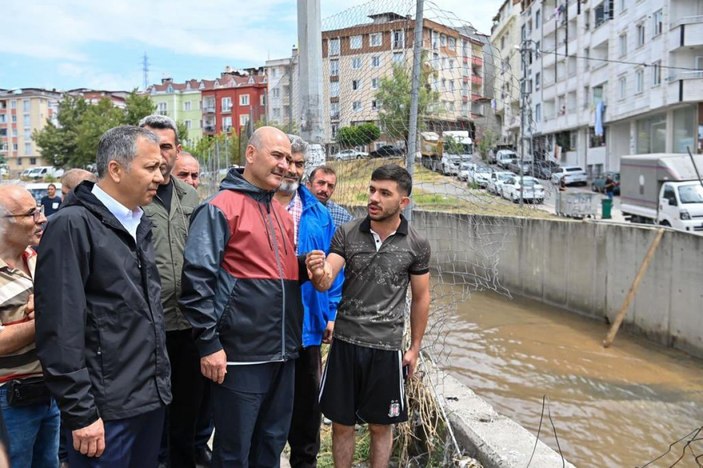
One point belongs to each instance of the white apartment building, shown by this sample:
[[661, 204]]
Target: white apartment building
[[357, 58], [613, 77], [505, 35], [283, 96]]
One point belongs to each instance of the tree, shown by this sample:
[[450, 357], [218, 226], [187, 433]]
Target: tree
[[97, 119], [58, 143], [138, 107], [358, 135], [182, 131], [394, 97]]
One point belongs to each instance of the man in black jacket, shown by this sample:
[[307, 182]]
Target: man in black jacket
[[100, 329]]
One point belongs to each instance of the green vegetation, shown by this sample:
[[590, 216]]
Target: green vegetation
[[74, 141], [358, 135]]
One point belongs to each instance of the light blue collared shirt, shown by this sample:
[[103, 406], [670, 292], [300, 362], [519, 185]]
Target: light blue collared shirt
[[128, 219]]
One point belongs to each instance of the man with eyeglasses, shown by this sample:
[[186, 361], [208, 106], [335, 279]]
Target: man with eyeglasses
[[187, 168], [31, 415], [314, 228]]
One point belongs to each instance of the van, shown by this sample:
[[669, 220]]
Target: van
[[503, 158]]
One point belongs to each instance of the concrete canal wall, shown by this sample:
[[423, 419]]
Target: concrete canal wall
[[583, 266]]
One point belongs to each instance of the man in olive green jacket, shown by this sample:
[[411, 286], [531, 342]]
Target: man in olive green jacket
[[170, 214]]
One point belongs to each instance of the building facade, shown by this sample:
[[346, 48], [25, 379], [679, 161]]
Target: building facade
[[356, 59], [283, 96], [611, 78], [234, 100], [22, 111], [181, 102]]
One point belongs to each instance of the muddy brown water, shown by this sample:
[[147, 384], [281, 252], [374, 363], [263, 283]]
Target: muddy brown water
[[615, 407]]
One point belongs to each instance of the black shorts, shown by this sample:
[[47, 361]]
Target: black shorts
[[363, 385]]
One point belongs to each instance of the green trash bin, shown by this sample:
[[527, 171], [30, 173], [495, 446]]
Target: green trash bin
[[607, 206]]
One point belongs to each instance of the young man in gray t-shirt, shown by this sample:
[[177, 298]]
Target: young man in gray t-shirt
[[381, 255]]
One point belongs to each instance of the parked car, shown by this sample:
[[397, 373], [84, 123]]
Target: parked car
[[40, 172], [544, 169], [464, 169], [524, 167], [571, 174], [480, 176], [598, 184], [386, 150], [349, 154], [503, 158], [496, 179], [532, 190]]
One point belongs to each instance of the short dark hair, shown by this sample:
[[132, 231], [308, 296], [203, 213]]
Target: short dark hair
[[51, 185], [396, 174], [324, 169], [160, 122]]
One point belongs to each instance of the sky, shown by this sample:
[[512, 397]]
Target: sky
[[67, 44]]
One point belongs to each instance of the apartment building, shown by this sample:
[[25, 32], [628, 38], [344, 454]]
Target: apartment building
[[357, 58], [283, 98], [181, 102], [22, 111], [233, 100], [613, 77], [505, 35], [94, 96]]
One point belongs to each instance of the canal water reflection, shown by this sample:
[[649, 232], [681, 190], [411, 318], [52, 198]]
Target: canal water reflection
[[614, 407]]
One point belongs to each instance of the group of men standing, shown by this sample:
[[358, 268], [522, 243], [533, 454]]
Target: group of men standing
[[155, 312]]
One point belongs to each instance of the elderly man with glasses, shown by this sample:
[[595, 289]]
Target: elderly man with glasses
[[31, 416]]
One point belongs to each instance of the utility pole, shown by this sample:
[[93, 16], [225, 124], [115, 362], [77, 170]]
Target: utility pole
[[310, 67], [525, 101], [414, 95], [145, 70]]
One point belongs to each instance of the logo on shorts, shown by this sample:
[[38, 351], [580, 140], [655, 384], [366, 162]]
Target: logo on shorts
[[394, 409]]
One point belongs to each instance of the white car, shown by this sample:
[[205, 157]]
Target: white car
[[496, 180], [571, 175], [479, 176], [349, 154], [504, 157], [532, 190], [465, 169]]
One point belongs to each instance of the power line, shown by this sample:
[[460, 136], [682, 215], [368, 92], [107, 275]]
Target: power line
[[623, 62]]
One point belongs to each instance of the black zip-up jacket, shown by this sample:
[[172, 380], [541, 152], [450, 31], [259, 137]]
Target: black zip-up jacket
[[99, 322]]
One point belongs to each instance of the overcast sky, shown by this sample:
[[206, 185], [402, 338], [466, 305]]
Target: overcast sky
[[67, 44]]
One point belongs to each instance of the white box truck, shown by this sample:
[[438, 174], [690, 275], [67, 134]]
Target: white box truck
[[663, 189]]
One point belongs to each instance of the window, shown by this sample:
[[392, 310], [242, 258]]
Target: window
[[244, 100], [356, 106], [186, 106], [355, 42], [27, 148], [226, 104], [604, 12], [399, 39], [334, 67], [451, 64], [639, 80], [356, 63], [189, 124], [538, 112], [376, 61], [657, 73], [622, 40], [32, 161], [277, 112], [262, 100], [443, 40], [163, 108], [26, 105], [273, 73], [398, 57], [622, 5], [374, 83], [334, 89], [640, 34], [243, 120], [538, 21], [375, 39], [334, 128], [658, 22], [226, 124], [334, 46], [13, 104], [27, 133], [276, 92], [356, 85], [538, 79], [27, 121], [334, 110], [452, 43], [622, 87], [374, 105]]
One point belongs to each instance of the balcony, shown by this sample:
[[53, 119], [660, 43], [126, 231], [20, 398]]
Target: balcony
[[208, 129], [477, 80], [334, 115], [687, 32], [477, 61], [685, 86], [209, 109]]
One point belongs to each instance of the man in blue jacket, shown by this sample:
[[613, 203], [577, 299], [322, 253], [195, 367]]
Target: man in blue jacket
[[313, 229]]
